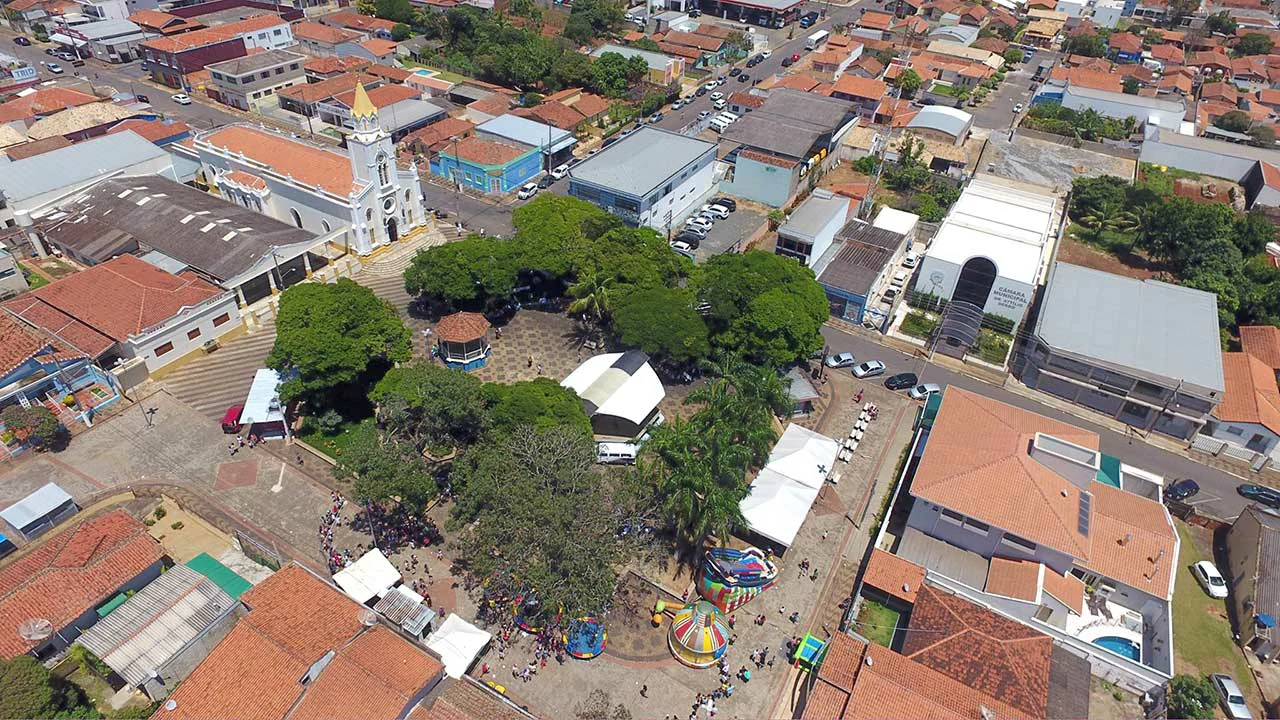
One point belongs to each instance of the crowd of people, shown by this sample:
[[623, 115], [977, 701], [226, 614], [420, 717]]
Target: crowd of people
[[337, 559]]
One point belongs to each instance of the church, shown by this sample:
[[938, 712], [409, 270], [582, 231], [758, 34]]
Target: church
[[314, 188]]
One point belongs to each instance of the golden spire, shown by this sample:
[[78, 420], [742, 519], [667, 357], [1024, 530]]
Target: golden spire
[[362, 107]]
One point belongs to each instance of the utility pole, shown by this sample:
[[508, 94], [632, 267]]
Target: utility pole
[[457, 202]]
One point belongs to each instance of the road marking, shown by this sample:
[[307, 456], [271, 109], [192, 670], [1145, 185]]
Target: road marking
[[279, 481]]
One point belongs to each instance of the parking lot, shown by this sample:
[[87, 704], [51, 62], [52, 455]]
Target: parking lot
[[729, 234]]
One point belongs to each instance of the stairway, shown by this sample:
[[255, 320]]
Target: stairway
[[214, 383]]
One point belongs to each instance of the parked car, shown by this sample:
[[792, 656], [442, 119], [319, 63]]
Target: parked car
[[51, 51], [54, 68], [788, 62], [718, 104], [695, 13], [888, 296], [735, 72], [704, 114], [560, 171], [698, 230], [681, 247], [840, 360], [1210, 579], [677, 104], [716, 96], [693, 240], [527, 191], [20, 40], [700, 91], [1230, 697], [1264, 495], [655, 117], [910, 260], [766, 54], [726, 202], [744, 77], [901, 381], [141, 98], [181, 99], [711, 85], [231, 419], [869, 369], [922, 392], [545, 182], [699, 222], [1182, 490], [718, 212], [1017, 108]]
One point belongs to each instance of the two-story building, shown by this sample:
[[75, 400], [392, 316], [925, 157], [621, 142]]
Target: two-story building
[[664, 70], [265, 31], [322, 40], [370, 26], [252, 81], [651, 178], [170, 59]]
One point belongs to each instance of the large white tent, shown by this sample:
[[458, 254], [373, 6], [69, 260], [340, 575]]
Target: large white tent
[[372, 575], [620, 391], [785, 489], [458, 643]]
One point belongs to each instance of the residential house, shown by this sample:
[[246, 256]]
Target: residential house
[[856, 265], [252, 81], [664, 70], [864, 93], [1168, 55], [553, 113], [741, 103], [974, 15], [157, 22], [298, 626], [26, 109], [1211, 63], [811, 227], [1253, 551], [1125, 47], [433, 138], [158, 131], [1119, 364], [490, 165], [1249, 414], [12, 281], [330, 66], [1250, 73], [711, 50], [371, 26], [593, 108], [1023, 515], [321, 40], [831, 63], [126, 308], [377, 50], [68, 576], [171, 59], [400, 108], [362, 191], [305, 98], [262, 31]]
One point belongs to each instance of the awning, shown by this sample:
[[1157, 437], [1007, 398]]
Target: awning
[[64, 39], [263, 403], [1264, 620], [367, 577], [36, 507], [458, 643]]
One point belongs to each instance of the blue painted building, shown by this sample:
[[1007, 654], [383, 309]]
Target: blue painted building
[[852, 271], [487, 165]]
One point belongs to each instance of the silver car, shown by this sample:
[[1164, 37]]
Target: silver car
[[870, 368], [922, 392], [1230, 696], [840, 360]]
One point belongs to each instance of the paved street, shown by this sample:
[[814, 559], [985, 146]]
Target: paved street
[[1218, 493], [997, 111]]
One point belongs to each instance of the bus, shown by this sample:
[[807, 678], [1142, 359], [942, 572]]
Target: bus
[[816, 40]]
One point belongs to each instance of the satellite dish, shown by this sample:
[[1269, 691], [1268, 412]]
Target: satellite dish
[[368, 618], [171, 704], [35, 629]]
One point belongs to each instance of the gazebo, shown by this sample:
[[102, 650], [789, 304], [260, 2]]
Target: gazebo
[[699, 635], [462, 340]]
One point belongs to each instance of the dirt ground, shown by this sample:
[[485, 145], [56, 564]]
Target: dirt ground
[[1048, 163], [1107, 702], [1077, 253]]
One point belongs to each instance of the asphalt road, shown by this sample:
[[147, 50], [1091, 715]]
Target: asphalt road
[[1217, 494], [125, 78], [997, 112]]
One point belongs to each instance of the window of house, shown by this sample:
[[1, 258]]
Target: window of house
[[221, 319], [193, 334], [162, 349], [277, 32], [976, 526], [1019, 543], [293, 66], [279, 71], [953, 517], [264, 75], [297, 219]]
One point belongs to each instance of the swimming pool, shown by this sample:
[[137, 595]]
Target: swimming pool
[[1123, 647]]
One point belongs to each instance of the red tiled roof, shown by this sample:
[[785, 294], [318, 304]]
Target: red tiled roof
[[246, 180], [189, 41], [803, 83], [44, 101], [893, 575], [329, 87], [333, 63], [875, 21], [394, 74], [163, 21], [356, 21], [19, 343], [439, 132], [253, 24], [746, 99], [379, 47], [1125, 42], [1066, 589], [860, 87], [1210, 57], [70, 573], [486, 152], [466, 699], [1082, 77], [294, 619], [381, 97], [124, 296], [553, 113], [702, 42], [316, 32], [36, 147], [1017, 579], [1167, 53], [462, 326], [590, 105], [153, 130], [496, 104], [767, 159], [1133, 540], [1262, 342], [1251, 394], [304, 163], [992, 654]]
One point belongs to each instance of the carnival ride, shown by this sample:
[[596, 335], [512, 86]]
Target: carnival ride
[[731, 578], [585, 637], [699, 634]]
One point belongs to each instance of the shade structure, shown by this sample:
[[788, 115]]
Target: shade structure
[[730, 578], [585, 638], [462, 340], [699, 635]]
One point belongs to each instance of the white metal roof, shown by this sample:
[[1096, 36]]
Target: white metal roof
[[263, 403], [458, 643], [894, 220], [34, 507], [1009, 226], [948, 120], [619, 384], [785, 489], [371, 575]]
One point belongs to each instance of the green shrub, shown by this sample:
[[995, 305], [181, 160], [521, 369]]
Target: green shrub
[[159, 513], [917, 324], [177, 525]]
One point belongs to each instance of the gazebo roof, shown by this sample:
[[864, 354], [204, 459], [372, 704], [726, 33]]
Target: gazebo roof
[[462, 327]]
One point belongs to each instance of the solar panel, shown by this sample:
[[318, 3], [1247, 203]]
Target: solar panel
[[1082, 520]]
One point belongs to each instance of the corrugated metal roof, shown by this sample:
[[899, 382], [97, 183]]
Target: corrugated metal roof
[[530, 132], [157, 623], [34, 507], [68, 166], [644, 160], [404, 607]]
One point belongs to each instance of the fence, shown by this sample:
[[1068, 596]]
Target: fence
[[260, 552], [1127, 153]]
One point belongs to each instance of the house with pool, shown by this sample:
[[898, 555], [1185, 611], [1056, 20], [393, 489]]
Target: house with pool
[[1024, 515]]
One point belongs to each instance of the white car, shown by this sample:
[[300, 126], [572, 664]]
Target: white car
[[1230, 696], [840, 360], [1210, 579], [698, 222], [718, 104], [181, 99], [922, 392], [1017, 108], [716, 96], [54, 68], [766, 54], [910, 260], [681, 247], [527, 191], [560, 172], [716, 211], [868, 369], [704, 114], [711, 85]]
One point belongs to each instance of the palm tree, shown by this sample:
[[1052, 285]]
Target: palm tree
[[1108, 217], [592, 295], [699, 479]]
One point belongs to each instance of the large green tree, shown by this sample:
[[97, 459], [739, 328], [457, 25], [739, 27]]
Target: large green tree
[[663, 322], [1087, 45], [539, 403], [613, 75], [331, 334], [769, 307], [699, 480], [31, 691], [1254, 44], [426, 404], [398, 11], [1191, 697], [384, 468], [532, 514], [465, 274]]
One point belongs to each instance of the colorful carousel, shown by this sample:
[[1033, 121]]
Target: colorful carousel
[[699, 635], [731, 578], [528, 612], [585, 638]]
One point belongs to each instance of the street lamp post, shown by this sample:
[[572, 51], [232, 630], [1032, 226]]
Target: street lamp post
[[457, 165]]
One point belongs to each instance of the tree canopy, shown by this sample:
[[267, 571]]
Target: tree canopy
[[31, 691], [540, 403], [909, 82], [329, 335], [383, 467], [1234, 121], [1088, 45], [1254, 44], [664, 323], [430, 405]]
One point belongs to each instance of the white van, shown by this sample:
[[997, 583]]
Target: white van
[[611, 453], [899, 279], [728, 116], [718, 125], [719, 104]]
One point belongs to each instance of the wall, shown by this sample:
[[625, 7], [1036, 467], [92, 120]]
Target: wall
[[1008, 298], [1243, 434], [1242, 567], [761, 182], [184, 663], [928, 519], [312, 208], [273, 38], [684, 195], [11, 280], [66, 635], [199, 320]]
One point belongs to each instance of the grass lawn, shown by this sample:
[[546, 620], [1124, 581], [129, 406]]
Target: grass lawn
[[445, 75], [332, 445], [992, 346], [1201, 631], [877, 622], [917, 324], [35, 280]]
